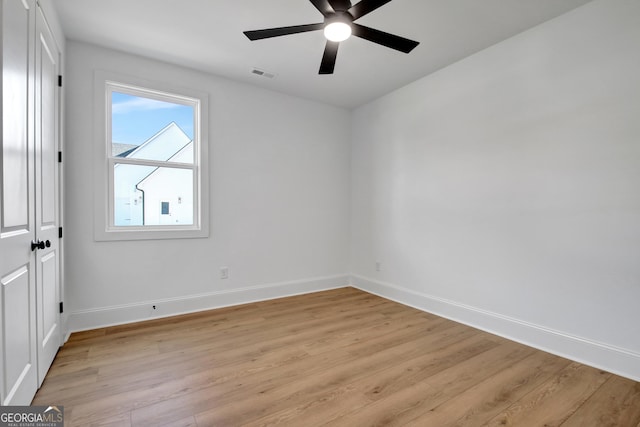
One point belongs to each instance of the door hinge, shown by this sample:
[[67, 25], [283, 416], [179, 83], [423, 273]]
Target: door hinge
[[59, 156], [59, 232], [61, 307], [59, 80]]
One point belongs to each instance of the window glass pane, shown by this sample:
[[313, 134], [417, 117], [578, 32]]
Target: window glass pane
[[142, 195], [145, 128]]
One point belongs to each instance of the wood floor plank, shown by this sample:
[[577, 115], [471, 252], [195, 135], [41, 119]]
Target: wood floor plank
[[338, 357], [346, 397], [554, 401], [121, 420], [351, 337], [185, 422], [314, 411], [480, 403], [64, 386], [419, 398], [243, 390], [400, 375], [270, 395], [285, 329], [616, 403]]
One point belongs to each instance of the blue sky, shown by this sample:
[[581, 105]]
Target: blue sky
[[135, 119]]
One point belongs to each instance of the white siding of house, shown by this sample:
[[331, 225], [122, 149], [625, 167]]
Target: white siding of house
[[174, 186]]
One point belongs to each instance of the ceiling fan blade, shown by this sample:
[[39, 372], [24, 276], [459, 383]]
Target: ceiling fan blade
[[323, 6], [340, 5], [385, 39], [282, 31], [329, 58], [366, 6]]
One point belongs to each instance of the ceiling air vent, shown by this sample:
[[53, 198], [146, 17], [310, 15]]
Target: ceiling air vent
[[262, 73]]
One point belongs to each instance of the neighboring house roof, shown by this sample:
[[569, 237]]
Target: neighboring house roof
[[121, 150], [163, 145]]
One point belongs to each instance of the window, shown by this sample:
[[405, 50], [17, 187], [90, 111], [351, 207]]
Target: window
[[164, 208], [153, 161]]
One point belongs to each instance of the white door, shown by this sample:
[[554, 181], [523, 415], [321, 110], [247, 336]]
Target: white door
[[18, 348], [46, 173]]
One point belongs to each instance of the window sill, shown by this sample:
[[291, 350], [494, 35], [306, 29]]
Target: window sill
[[150, 233]]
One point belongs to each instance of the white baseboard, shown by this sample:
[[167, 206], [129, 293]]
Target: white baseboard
[[599, 355], [83, 320]]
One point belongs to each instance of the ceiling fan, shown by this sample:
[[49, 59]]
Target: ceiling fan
[[338, 25]]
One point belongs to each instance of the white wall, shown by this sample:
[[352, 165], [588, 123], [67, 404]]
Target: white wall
[[504, 190], [279, 192]]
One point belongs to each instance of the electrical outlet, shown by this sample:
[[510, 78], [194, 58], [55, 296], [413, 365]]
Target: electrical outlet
[[224, 272], [378, 265]]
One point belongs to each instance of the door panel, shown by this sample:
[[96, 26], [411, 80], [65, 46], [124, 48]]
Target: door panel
[[17, 310], [16, 24], [46, 91], [18, 345], [48, 315]]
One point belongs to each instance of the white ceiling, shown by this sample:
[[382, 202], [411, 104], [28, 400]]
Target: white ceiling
[[207, 35]]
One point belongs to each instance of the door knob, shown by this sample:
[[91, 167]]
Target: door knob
[[47, 243], [38, 245]]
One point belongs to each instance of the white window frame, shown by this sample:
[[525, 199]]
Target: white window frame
[[104, 229]]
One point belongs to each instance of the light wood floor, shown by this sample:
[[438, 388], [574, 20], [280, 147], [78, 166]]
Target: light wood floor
[[341, 357]]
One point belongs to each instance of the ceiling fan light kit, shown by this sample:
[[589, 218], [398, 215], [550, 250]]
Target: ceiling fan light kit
[[338, 26], [337, 30]]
